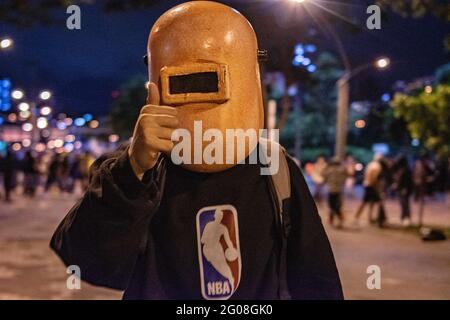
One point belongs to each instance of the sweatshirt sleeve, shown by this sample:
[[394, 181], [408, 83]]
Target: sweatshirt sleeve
[[311, 268], [106, 230]]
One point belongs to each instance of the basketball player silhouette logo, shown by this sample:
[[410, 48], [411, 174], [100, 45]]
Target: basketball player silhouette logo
[[218, 251]]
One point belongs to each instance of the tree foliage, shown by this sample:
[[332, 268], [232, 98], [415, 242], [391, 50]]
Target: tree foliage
[[318, 108], [427, 115], [126, 107], [420, 9]]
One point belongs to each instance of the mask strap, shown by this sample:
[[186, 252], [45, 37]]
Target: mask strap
[[263, 55]]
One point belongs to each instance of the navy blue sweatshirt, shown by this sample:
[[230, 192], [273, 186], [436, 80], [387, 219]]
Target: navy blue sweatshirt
[[184, 235]]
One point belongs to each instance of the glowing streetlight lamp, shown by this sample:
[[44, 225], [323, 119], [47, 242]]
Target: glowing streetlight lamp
[[17, 94], [25, 114], [12, 117], [16, 146], [41, 123], [79, 122], [26, 143], [382, 63], [113, 138], [23, 106], [6, 43], [94, 124], [69, 138], [45, 111], [58, 143], [45, 95], [27, 127], [360, 124]]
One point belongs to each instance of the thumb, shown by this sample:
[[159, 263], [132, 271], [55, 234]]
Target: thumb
[[152, 94]]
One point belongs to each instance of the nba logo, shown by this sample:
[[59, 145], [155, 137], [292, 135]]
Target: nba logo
[[218, 251]]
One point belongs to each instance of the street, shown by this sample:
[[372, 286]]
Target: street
[[410, 268]]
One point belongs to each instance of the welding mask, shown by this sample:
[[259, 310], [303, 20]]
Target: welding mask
[[204, 58]]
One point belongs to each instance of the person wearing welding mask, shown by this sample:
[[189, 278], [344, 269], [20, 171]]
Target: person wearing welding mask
[[198, 230]]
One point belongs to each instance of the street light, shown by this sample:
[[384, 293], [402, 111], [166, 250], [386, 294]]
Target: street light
[[45, 111], [343, 87], [45, 95], [41, 123], [382, 63], [23, 106], [27, 127], [17, 94], [37, 118], [6, 43]]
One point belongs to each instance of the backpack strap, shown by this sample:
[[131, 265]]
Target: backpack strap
[[280, 190]]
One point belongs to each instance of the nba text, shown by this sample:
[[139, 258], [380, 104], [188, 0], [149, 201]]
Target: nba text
[[218, 288]]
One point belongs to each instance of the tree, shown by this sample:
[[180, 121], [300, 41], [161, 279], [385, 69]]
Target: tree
[[427, 115], [419, 9], [318, 110], [126, 106]]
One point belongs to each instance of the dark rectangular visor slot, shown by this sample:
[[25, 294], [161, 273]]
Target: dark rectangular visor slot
[[201, 82]]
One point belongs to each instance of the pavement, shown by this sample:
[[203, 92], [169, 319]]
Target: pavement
[[410, 268]]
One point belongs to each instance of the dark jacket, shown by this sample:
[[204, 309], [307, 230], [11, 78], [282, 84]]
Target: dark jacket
[[108, 234]]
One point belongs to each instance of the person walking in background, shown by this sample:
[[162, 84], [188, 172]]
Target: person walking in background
[[423, 178], [7, 168], [371, 188], [52, 171], [383, 186], [85, 162], [317, 178], [335, 175], [350, 166], [79, 172], [63, 173], [404, 187], [74, 174], [30, 172]]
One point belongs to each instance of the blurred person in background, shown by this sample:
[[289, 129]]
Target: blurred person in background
[[317, 178], [350, 165], [85, 163], [58, 173], [31, 174], [52, 171], [335, 175], [383, 185], [447, 183], [63, 173], [74, 174], [79, 172], [371, 189], [404, 187], [423, 178], [7, 164], [442, 178]]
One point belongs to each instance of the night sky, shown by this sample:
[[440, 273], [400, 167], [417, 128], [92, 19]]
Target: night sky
[[82, 67]]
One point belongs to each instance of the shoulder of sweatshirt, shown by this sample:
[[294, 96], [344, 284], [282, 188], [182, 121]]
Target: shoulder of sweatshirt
[[109, 155]]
